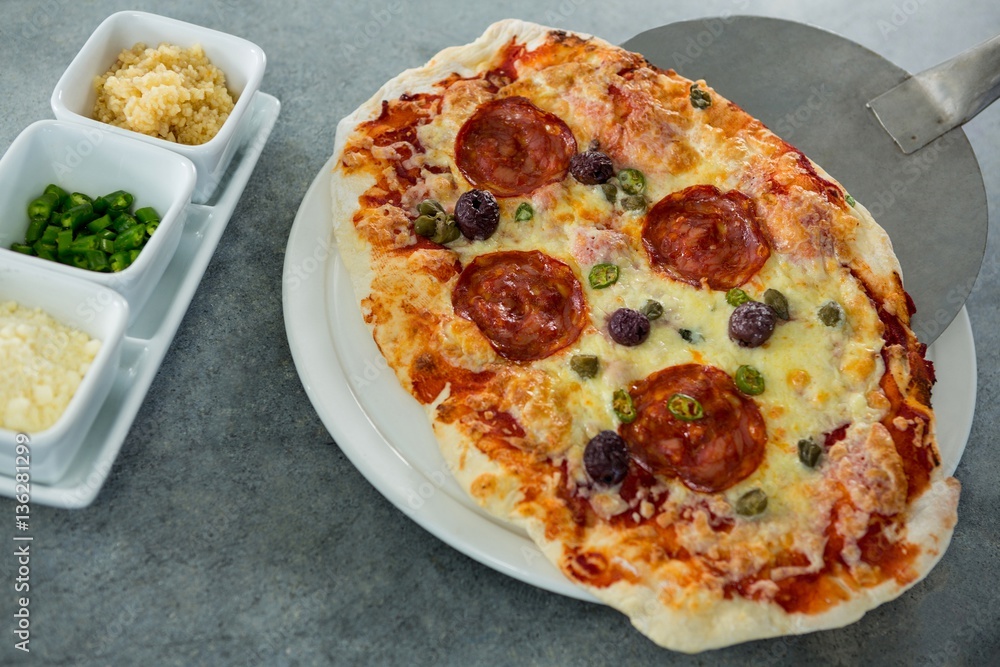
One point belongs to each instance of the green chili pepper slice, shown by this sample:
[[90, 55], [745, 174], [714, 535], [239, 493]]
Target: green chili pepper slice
[[603, 275], [737, 297], [749, 380], [632, 181], [621, 403], [684, 407]]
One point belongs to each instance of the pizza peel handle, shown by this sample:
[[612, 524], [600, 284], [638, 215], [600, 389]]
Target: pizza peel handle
[[930, 103], [932, 203]]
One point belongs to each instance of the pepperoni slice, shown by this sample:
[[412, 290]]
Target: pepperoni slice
[[527, 304], [710, 453], [510, 147], [701, 233]]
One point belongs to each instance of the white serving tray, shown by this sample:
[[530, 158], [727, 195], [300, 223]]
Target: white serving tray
[[148, 338]]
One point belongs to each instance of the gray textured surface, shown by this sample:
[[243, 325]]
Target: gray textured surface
[[233, 531]]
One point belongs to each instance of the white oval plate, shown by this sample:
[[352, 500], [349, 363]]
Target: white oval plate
[[385, 433]]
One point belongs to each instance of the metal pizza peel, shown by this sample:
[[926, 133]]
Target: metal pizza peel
[[829, 97]]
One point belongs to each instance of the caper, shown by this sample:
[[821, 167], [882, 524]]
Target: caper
[[632, 181], [585, 365], [430, 207], [809, 452], [652, 310], [634, 203], [425, 225], [778, 302], [447, 231], [610, 192], [830, 313], [700, 99], [751, 503], [692, 337], [524, 212]]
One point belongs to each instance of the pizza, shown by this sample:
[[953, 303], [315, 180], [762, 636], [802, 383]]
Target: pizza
[[648, 332]]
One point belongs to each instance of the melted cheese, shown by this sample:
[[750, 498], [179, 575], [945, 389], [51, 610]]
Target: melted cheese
[[818, 378]]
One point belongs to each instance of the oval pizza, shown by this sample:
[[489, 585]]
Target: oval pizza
[[647, 331]]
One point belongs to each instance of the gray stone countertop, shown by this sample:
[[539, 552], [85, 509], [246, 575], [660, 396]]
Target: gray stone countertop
[[233, 530]]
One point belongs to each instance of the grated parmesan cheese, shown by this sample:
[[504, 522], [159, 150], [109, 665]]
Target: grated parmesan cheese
[[43, 364]]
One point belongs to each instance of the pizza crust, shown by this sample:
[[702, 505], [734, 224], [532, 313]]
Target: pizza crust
[[678, 620]]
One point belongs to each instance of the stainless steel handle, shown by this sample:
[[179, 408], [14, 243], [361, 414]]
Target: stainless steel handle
[[930, 103]]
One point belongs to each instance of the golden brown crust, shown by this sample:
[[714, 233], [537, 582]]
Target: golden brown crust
[[690, 572]]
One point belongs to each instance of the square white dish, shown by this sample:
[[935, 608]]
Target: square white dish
[[241, 61], [99, 312], [89, 160]]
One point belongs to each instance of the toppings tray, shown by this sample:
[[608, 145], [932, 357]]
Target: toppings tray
[[153, 327]]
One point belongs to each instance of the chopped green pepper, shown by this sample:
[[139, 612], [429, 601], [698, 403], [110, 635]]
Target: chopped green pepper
[[131, 239], [119, 261], [99, 224], [42, 207], [147, 215], [60, 194], [35, 229], [78, 198], [49, 235], [119, 201], [77, 216]]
